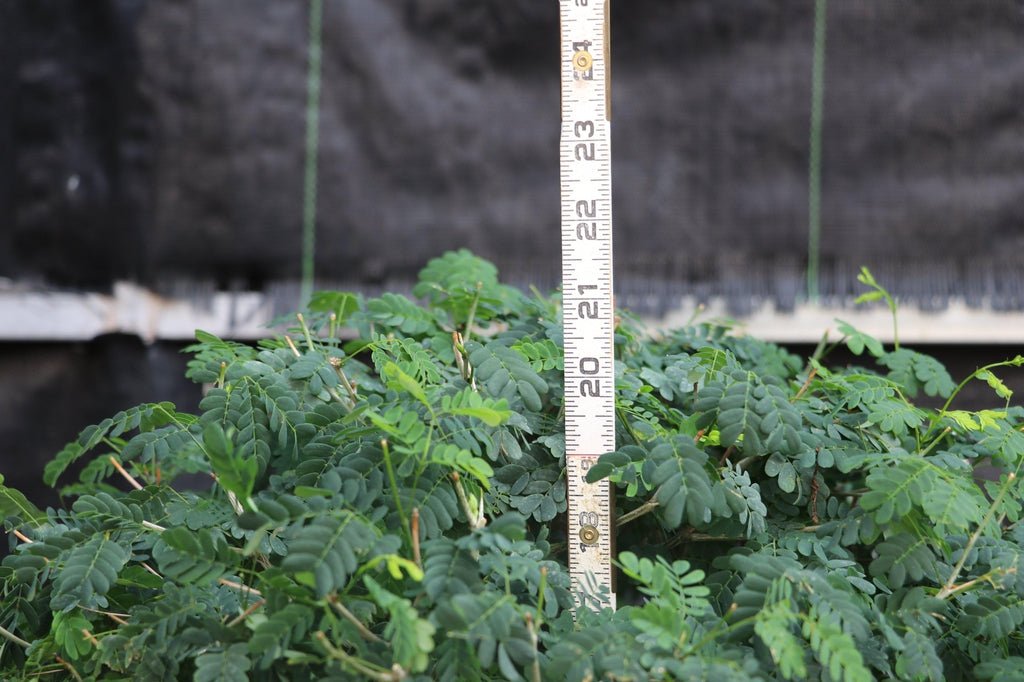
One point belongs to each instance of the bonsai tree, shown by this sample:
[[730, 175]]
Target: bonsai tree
[[386, 485]]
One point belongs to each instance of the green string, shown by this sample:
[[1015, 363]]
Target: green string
[[316, 12], [814, 169]]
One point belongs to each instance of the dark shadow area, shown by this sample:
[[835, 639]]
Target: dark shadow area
[[50, 392], [163, 140]]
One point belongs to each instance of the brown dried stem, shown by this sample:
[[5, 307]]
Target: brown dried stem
[[124, 473], [245, 614], [351, 617], [240, 587], [414, 523], [21, 536]]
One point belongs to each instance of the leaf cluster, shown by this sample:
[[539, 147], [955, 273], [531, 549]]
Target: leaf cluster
[[386, 481]]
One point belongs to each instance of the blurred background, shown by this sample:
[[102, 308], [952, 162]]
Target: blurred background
[[173, 164]]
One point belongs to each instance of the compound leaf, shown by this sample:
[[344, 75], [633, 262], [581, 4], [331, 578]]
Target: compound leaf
[[198, 557], [683, 486], [327, 551], [903, 556], [228, 665], [89, 572]]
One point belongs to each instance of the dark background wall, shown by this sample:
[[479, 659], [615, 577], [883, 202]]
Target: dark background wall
[[162, 141]]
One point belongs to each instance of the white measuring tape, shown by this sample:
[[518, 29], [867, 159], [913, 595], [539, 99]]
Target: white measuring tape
[[587, 308]]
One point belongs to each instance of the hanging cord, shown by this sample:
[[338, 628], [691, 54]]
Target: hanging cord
[[814, 166], [316, 12]]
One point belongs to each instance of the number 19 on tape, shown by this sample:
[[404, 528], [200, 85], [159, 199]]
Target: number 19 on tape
[[587, 309]]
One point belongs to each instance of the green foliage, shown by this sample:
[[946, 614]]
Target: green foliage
[[14, 505], [683, 485], [235, 472], [915, 371], [326, 553], [89, 572], [228, 665], [411, 637], [389, 508], [188, 557]]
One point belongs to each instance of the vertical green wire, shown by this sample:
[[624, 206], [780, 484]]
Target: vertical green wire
[[814, 165], [316, 12]]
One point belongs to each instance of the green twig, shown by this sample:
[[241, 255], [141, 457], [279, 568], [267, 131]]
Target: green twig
[[535, 675], [931, 446], [879, 292], [821, 349], [949, 588], [394, 489], [364, 668], [814, 163], [7, 634], [540, 593], [316, 13], [719, 630], [472, 311], [305, 332], [1016, 362]]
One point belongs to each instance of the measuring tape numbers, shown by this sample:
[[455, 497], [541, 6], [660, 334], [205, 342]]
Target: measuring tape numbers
[[587, 308]]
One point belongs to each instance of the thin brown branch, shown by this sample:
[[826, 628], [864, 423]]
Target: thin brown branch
[[803, 389], [124, 473], [70, 668], [364, 632], [245, 614], [725, 455], [21, 536], [240, 587], [291, 344], [119, 618], [343, 378], [414, 523], [814, 494], [151, 570], [91, 637], [645, 508]]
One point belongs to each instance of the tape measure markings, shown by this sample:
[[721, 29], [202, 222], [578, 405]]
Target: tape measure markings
[[587, 284]]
